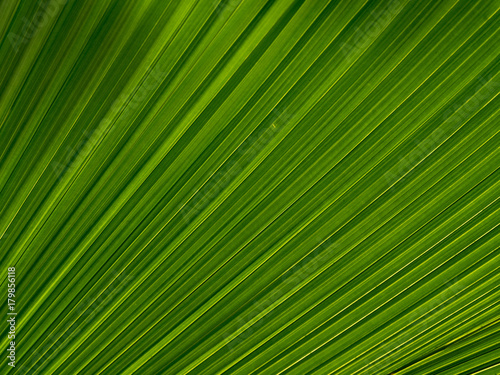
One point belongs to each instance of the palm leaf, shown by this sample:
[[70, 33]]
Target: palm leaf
[[251, 187]]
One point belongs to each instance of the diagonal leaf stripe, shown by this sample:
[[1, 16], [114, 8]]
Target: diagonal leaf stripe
[[250, 187]]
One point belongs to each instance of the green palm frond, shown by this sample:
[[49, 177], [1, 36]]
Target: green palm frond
[[250, 186]]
